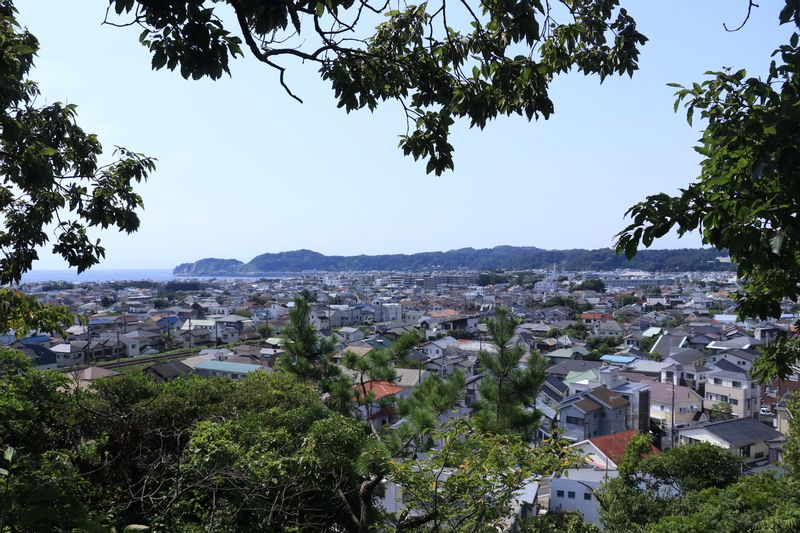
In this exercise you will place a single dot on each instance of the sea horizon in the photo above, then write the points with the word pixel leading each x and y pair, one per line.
pixel 98 275
pixel 127 274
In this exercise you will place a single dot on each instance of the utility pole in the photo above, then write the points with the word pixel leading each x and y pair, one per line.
pixel 672 424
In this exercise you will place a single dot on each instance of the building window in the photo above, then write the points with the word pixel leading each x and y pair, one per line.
pixel 737 384
pixel 587 495
pixel 717 381
pixel 571 495
pixel 733 401
pixel 574 420
pixel 560 493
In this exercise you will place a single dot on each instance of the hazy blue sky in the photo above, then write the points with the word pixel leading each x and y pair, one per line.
pixel 243 169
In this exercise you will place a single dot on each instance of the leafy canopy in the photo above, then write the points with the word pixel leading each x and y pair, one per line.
pixel 439 61
pixel 510 384
pixel 52 182
pixel 746 197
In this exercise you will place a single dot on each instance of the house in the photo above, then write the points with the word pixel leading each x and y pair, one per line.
pixel 552 392
pixel 647 367
pixel 562 368
pixel 745 437
pixel 668 344
pixel 637 393
pixel 198 323
pixel 632 340
pixel 579 381
pixel 408 378
pixel 445 365
pixel 728 383
pixel 590 318
pixel 138 340
pixel 82 379
pixel 573 490
pixel 378 409
pixel 225 369
pixel 742 358
pixel 597 411
pixel 574 352
pixel 350 334
pixel 468 323
pixel 437 347
pixel 606 452
pixel 194 338
pixel 167 371
pixel 44 358
pixel 622 361
pixel 78 332
pixel 688 405
pixel 742 342
pixel 610 328
pixel 686 367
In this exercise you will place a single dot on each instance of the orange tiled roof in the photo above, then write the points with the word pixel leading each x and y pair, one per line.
pixel 379 388
pixel 614 445
pixel 443 313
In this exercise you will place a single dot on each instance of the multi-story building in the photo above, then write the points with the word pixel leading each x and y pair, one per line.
pixel 594 412
pixel 728 383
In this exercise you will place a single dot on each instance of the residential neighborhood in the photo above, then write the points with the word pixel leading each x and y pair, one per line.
pixel 667 359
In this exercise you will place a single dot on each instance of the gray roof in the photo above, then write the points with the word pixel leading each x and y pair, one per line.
pixel 736 342
pixel 741 431
pixel 724 366
pixel 747 355
pixel 556 384
pixel 563 368
pixel 686 357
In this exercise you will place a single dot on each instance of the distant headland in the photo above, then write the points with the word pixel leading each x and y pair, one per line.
pixel 499 257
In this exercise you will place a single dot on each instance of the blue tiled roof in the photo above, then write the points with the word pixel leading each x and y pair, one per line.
pixel 225 366
pixel 38 339
pixel 623 359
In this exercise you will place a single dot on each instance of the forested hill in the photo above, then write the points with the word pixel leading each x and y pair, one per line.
pixel 499 257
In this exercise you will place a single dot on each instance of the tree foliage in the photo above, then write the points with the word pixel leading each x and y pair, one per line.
pixel 484 259
pixel 441 62
pixel 23 314
pixel 651 487
pixel 745 200
pixel 791 451
pixel 52 174
pixel 52 178
pixel 509 385
pixel 307 355
pixel 469 481
pixel 721 411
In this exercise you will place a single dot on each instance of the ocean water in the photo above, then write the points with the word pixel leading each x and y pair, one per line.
pixel 100 275
pixel 96 275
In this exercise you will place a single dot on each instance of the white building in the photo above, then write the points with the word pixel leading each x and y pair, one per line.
pixel 573 490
